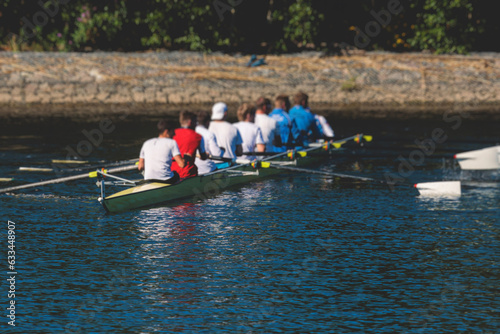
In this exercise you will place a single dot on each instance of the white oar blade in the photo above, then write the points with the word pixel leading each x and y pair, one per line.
pixel 443 188
pixel 35 169
pixel 71 162
pixel 487 158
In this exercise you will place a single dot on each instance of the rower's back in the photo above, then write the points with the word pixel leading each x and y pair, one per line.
pixel 228 137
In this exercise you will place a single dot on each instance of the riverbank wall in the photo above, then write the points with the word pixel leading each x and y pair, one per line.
pixel 358 85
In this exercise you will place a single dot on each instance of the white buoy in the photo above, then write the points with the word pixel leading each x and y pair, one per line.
pixel 442 188
pixel 486 158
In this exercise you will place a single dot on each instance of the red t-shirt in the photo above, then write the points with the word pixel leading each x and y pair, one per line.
pixel 188 141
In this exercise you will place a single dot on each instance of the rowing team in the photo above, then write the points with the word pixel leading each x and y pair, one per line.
pixel 186 151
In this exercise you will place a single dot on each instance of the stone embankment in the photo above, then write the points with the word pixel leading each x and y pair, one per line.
pixel 359 85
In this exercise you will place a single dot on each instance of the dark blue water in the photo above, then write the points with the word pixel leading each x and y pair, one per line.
pixel 296 253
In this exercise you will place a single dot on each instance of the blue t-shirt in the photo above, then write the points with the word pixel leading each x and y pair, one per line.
pixel 283 126
pixel 303 122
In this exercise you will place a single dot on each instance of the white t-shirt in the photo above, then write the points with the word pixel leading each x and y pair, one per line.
pixel 210 142
pixel 251 136
pixel 268 127
pixel 227 137
pixel 158 154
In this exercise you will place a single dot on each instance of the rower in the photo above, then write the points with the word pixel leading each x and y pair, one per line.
pixel 227 135
pixel 157 154
pixel 267 124
pixel 250 133
pixel 283 121
pixel 189 142
pixel 211 148
pixel 303 121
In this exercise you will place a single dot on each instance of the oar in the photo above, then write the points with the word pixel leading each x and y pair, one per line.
pixel 260 153
pixel 312 171
pixel 83 168
pixel 222 159
pixel 71 162
pixel 357 138
pixel 291 154
pixel 35 169
pixel 57 163
pixel 487 158
pixel 302 153
pixel 367 138
pixel 65 179
pixel 443 188
pixel 248 162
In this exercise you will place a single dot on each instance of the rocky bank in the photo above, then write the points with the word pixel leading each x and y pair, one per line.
pixel 81 85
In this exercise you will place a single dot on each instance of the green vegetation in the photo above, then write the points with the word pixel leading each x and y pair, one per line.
pixel 449 26
pixel 250 26
pixel 350 85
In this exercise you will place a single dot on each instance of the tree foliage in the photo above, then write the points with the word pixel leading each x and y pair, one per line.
pixel 448 26
pixel 250 26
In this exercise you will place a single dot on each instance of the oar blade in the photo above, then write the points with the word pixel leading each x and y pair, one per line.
pixel 338 145
pixel 94 174
pixel 35 169
pixel 368 138
pixel 442 188
pixel 484 159
pixel 71 162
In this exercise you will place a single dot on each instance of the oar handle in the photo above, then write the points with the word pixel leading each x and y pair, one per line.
pixel 260 153
pixel 221 159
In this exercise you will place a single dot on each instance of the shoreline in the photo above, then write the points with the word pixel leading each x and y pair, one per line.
pixel 362 85
pixel 95 112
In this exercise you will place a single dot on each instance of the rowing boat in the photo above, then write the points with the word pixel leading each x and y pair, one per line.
pixel 154 193
pixel 199 187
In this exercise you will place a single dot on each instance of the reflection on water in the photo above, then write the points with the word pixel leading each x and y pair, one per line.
pixel 164 222
pixel 440 203
pixel 451 171
pixel 476 197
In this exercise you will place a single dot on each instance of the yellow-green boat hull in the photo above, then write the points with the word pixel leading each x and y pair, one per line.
pixel 196 187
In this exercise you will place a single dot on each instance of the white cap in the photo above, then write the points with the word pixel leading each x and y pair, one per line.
pixel 218 111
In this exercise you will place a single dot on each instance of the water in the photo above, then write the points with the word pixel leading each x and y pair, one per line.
pixel 296 253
